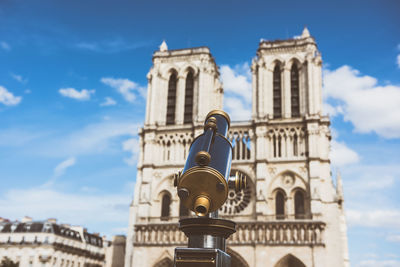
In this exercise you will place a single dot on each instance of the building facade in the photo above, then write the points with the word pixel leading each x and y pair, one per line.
pixel 46 243
pixel 291 214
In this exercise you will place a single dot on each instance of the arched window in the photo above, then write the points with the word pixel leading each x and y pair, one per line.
pixel 294 90
pixel 280 205
pixel 183 211
pixel 295 146
pixel 188 117
pixel 289 261
pixel 277 92
pixel 165 206
pixel 299 210
pixel 171 98
pixel 279 146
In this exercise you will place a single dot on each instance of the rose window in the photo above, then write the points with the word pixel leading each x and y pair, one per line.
pixel 237 201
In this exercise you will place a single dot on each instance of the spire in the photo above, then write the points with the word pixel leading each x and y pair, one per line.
pixel 163 46
pixel 305 33
pixel 339 185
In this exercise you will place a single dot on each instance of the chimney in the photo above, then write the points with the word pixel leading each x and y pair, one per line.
pixel 52 220
pixel 26 219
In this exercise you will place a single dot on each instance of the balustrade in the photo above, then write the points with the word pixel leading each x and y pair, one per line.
pixel 241 139
pixel 303 233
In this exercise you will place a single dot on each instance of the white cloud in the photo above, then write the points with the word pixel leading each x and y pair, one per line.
pixel 82 95
pixel 60 169
pixel 236 109
pixel 393 238
pixel 109 46
pixel 379 263
pixel 18 78
pixel 108 101
pixel 131 145
pixel 125 87
pixel 14 137
pixel 398 61
pixel 332 110
pixel 379 218
pixel 367 105
pixel 5 46
pixel 94 138
pixel 73 208
pixel 7 98
pixel 341 155
pixel 237 80
pixel 238 92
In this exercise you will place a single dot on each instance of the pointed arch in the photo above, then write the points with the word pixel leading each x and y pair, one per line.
pixel 171 99
pixel 299 204
pixel 165 262
pixel 289 261
pixel 189 93
pixel 236 259
pixel 280 201
pixel 295 90
pixel 277 91
pixel 165 205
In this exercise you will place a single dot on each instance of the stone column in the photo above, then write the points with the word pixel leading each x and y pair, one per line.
pixel 255 108
pixel 149 96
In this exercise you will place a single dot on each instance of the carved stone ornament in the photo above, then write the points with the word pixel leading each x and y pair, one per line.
pixel 157 174
pixel 272 170
pixel 287 180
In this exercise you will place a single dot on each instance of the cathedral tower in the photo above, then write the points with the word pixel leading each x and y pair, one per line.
pixel 290 215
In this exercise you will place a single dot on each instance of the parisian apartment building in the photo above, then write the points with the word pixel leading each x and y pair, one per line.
pixel 31 243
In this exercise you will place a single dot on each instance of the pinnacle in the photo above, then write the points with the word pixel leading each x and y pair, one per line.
pixel 305 33
pixel 163 46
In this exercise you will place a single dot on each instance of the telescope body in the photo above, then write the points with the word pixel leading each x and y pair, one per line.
pixel 203 184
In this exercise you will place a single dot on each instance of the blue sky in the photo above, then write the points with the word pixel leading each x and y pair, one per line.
pixel 72 94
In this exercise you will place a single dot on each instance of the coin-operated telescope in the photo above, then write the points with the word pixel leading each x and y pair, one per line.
pixel 203 188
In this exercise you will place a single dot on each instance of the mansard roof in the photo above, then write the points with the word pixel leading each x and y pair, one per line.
pixel 48 227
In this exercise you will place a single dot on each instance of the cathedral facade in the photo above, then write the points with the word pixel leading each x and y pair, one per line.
pixel 290 214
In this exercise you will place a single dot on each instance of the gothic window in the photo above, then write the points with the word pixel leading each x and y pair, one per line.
pixel 279 146
pixel 295 146
pixel 183 211
pixel 294 90
pixel 299 210
pixel 277 92
pixel 168 151
pixel 189 98
pixel 171 98
pixel 165 206
pixel 280 205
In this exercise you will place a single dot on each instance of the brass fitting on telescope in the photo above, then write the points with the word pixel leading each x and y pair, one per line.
pixel 237 182
pixel 201 205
